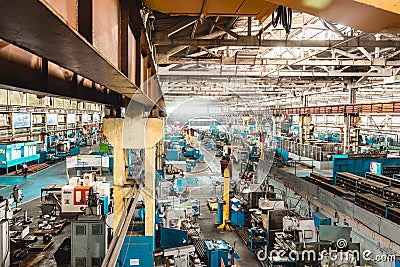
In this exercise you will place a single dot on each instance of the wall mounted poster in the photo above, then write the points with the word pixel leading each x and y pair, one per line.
pixel 22 120
pixel 71 118
pixel 51 119
pixel 85 118
pixel 96 117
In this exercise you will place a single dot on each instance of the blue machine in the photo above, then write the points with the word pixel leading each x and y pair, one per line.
pixel 176 138
pixel 257 240
pixel 217 250
pixel 137 251
pixel 209 144
pixel 358 165
pixel 236 214
pixel 74 151
pixel 159 219
pixel 237 218
pixel 189 167
pixel 193 153
pixel 104 205
pixel 196 207
pixel 397 262
pixel 190 163
pixel 140 213
pixel 172 238
pixel 173 154
pixel 13 154
pixel 214 131
pixel 320 219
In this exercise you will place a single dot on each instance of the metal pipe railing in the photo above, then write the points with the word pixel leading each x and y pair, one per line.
pixel 120 232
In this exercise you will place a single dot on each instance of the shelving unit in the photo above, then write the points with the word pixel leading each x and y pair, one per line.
pixel 371 203
pixel 383 179
pixel 390 170
pixel 348 181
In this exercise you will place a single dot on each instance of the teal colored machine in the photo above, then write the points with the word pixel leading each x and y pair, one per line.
pixel 320 219
pixel 360 165
pixel 172 238
pixel 14 154
pixel 217 250
pixel 137 251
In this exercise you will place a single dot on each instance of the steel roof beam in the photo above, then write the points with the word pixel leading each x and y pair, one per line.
pixel 161 59
pixel 180 26
pixel 282 73
pixel 161 38
pixel 22 22
pixel 223 28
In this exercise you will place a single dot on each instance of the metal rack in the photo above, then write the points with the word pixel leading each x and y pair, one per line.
pixel 372 193
pixel 383 179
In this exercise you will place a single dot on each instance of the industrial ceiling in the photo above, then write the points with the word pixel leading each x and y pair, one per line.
pixel 333 47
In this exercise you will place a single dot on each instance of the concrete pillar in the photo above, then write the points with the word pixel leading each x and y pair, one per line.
pixel 307 123
pixel 113 129
pixel 154 134
pixel 301 124
pixel 346 134
pixel 245 120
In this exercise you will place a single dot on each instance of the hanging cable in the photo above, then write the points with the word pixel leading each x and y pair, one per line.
pixel 283 15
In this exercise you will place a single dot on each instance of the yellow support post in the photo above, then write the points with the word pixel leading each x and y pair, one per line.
pixel 262 147
pixel 227 180
pixel 113 131
pixel 154 134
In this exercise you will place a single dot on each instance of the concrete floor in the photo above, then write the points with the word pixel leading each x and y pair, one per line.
pixel 44 258
pixel 199 181
pixel 31 186
pixel 209 230
pixel 207 219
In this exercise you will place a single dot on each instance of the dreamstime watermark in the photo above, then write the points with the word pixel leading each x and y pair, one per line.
pixel 340 254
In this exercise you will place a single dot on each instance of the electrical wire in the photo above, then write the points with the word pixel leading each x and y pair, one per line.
pixel 284 16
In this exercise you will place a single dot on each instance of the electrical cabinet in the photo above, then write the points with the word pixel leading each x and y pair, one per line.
pixel 88 241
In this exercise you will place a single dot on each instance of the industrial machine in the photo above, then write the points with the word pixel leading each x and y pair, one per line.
pixel 181 257
pixel 236 213
pixel 12 154
pixel 217 250
pixel 178 218
pixel 271 204
pixel 302 229
pixel 88 241
pixel 81 193
pixel 258 239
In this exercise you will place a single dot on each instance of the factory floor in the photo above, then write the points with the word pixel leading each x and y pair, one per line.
pixel 31 189
pixel 203 189
pixel 41 258
pixel 32 184
pixel 207 221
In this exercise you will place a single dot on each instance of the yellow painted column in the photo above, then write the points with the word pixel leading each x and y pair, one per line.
pixel 262 150
pixel 154 133
pixel 225 198
pixel 113 129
